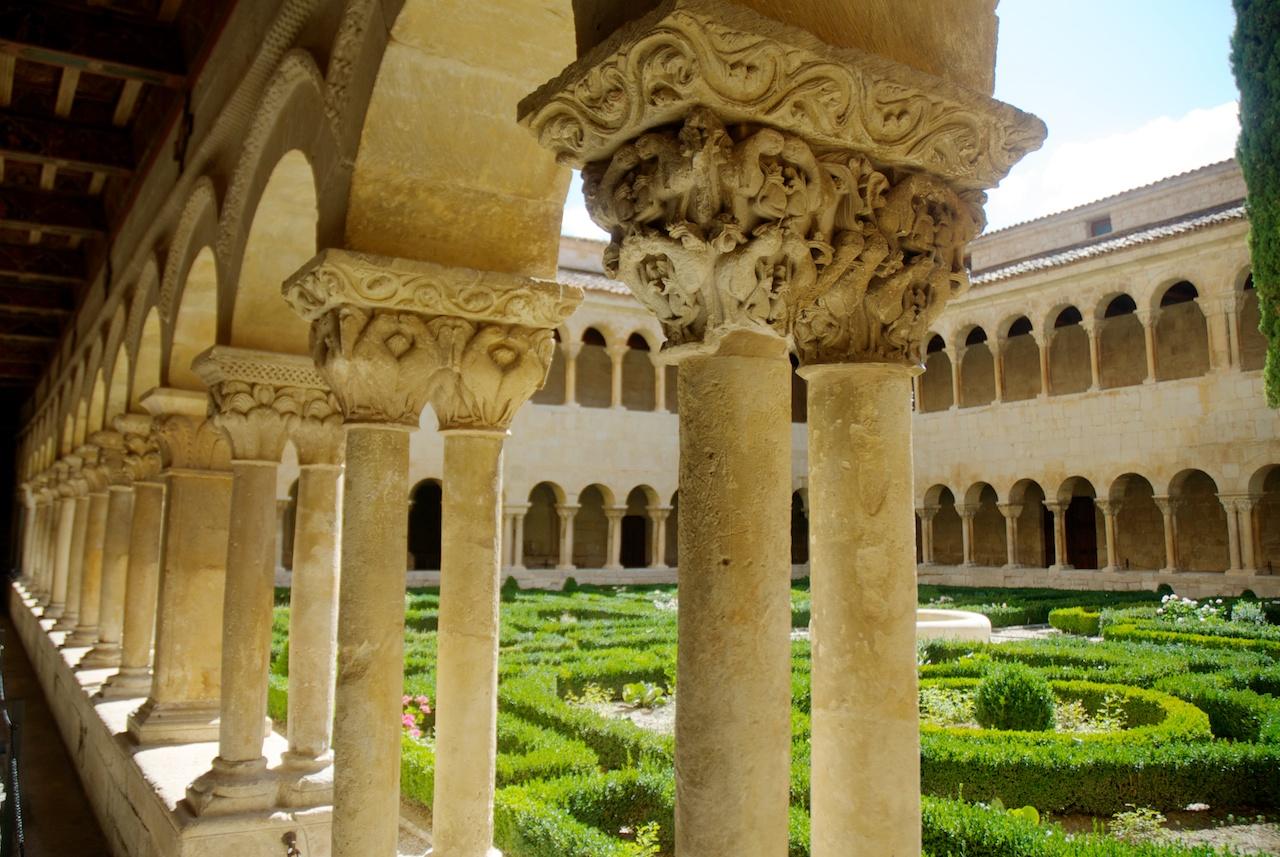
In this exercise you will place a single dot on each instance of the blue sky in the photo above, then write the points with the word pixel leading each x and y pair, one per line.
pixel 1132 91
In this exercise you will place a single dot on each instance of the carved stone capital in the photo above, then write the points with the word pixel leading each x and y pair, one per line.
pixel 186 437
pixel 749 68
pixel 390 334
pixel 110 468
pixel 258 397
pixel 1010 510
pixel 142 455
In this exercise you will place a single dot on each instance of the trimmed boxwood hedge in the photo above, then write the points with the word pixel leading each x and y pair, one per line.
pixel 1076 620
pixel 1162 634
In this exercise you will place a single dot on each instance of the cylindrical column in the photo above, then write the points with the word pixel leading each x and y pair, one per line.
pixel 569 350
pixel 997 356
pixel 865 789
pixel 75 569
pixel 1233 535
pixel 955 377
pixel 613 517
pixel 62 558
pixel 1091 333
pixel 517 541
pixel 1011 511
pixel 733 723
pixel 658 536
pixel 926 533
pixel 1149 338
pixel 967 513
pixel 1059 511
pixel 141 584
pixel 1109 508
pixel 313 616
pixel 1167 508
pixel 1248 535
pixel 467 663
pixel 370 679
pixel 617 355
pixel 95 536
pixel 1043 348
pixel 566 512
pixel 659 383
pixel 39 540
pixel 115 567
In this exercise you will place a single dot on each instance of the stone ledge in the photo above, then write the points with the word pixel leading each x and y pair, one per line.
pixel 1194 584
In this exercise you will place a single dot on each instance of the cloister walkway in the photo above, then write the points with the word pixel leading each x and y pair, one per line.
pixel 56 814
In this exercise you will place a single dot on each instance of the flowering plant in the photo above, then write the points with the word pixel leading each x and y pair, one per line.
pixel 414 717
pixel 1175 609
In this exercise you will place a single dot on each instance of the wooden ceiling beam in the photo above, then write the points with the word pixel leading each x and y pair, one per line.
pixel 119 46
pixel 28 337
pixel 35 299
pixel 51 213
pixel 28 310
pixel 66 145
pixel 34 263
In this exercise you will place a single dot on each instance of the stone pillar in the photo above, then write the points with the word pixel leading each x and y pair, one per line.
pixel 1249 548
pixel 382 351
pixel 658 536
pixel 1059 511
pixel 1011 511
pixel 62 556
pixel 733 258
pixel 967 513
pixel 48 543
pixel 517 535
pixel 1216 312
pixel 617 354
pixel 39 585
pixel 1168 508
pixel 659 383
pixel 256 397
pixel 1234 564
pixel 927 514
pixel 313 611
pixel 1231 304
pixel 143 574
pixel 25 565
pixel 570 351
pixel 115 565
pixel 1043 343
pixel 1148 319
pixel 957 379
pixel 997 360
pixel 614 515
pixel 1109 509
pixel 1091 332
pixel 108 471
pixel 187 679
pixel 566 513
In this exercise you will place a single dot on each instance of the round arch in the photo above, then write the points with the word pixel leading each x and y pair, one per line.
pixel 541 544
pixel 1083 524
pixel 1200 522
pixel 1181 332
pixel 1139 527
pixel 1122 344
pixel 195 321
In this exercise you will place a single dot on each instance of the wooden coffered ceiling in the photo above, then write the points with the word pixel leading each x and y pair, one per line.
pixel 89 90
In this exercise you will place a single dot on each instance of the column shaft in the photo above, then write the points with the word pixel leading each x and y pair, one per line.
pixel 613 518
pixel 141 584
pixel 733 668
pixel 115 567
pixel 570 354
pixel 566 514
pixel 864 707
pixel 659 384
pixel 370 677
pixel 62 557
pixel 75 566
pixel 1149 339
pixel 1233 536
pixel 467 663
pixel 517 541
pixel 1043 349
pixel 95 536
pixel 1248 537
pixel 1092 333
pixel 1109 528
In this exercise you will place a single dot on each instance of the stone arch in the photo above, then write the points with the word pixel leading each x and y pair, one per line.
pixel 196 229
pixel 1122 345
pixel 591 527
pixel 195 321
pixel 638 375
pixel 1069 367
pixel 280 239
pixel 977 370
pixel 542 526
pixel 1253 343
pixel 1083 524
pixel 948 545
pixel 425 520
pixel 1020 360
pixel 479 193
pixel 1181 332
pixel 1200 522
pixel 594 370
pixel 637 528
pixel 987 534
pixel 1264 490
pixel 118 385
pixel 97 402
pixel 1035 524
pixel 1139 523
pixel 936 392
pixel 146 368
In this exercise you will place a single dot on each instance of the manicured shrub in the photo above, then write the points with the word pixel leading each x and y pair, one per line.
pixel 1076 620
pixel 1014 697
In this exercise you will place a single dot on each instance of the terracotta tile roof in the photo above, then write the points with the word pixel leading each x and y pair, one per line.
pixel 1112 244
pixel 591 282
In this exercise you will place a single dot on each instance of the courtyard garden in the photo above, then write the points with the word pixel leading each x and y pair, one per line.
pixel 1146 711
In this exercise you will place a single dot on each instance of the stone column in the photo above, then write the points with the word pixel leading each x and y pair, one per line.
pixel 143 575
pixel 927 514
pixel 1216 314
pixel 1249 548
pixel 108 471
pixel 659 383
pixel 658 536
pixel 384 344
pixel 997 360
pixel 967 513
pixel 617 354
pixel 1059 511
pixel 570 351
pixel 517 535
pixel 313 610
pixel 566 513
pixel 49 542
pixel 853 254
pixel 256 397
pixel 957 379
pixel 187 678
pixel 39 584
pixel 115 559
pixel 1231 304
pixel 1043 343
pixel 614 515
pixel 66 505
pixel 1109 509
pixel 28 530
pixel 1233 534
pixel 1091 333
pixel 1148 320
pixel 1011 511
pixel 1168 508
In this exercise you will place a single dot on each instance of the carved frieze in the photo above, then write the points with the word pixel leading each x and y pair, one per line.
pixel 142 454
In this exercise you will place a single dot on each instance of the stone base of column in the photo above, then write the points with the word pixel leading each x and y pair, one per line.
pixel 1010 565
pixel 566 568
pixel 613 567
pixel 305 782
pixel 1056 567
pixel 174 723
pixel 59 612
pixel 233 787
pixel 101 656
pixel 126 683
pixel 657 566
pixel 82 636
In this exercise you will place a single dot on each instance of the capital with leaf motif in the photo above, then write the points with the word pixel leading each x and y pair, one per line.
pixel 110 467
pixel 390 334
pixel 185 436
pixel 142 455
pixel 753 178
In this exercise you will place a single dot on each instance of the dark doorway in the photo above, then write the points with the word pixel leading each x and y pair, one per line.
pixel 635 538
pixel 1046 529
pixel 1082 533
pixel 424 525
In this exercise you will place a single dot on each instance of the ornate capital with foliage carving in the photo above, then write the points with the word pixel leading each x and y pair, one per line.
pixel 142 455
pixel 258 397
pixel 753 178
pixel 186 437
pixel 391 334
pixel 110 468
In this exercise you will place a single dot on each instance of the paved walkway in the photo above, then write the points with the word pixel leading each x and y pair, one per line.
pixel 1022 632
pixel 56 815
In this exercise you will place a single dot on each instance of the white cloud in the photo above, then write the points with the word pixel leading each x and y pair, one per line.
pixel 1068 173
